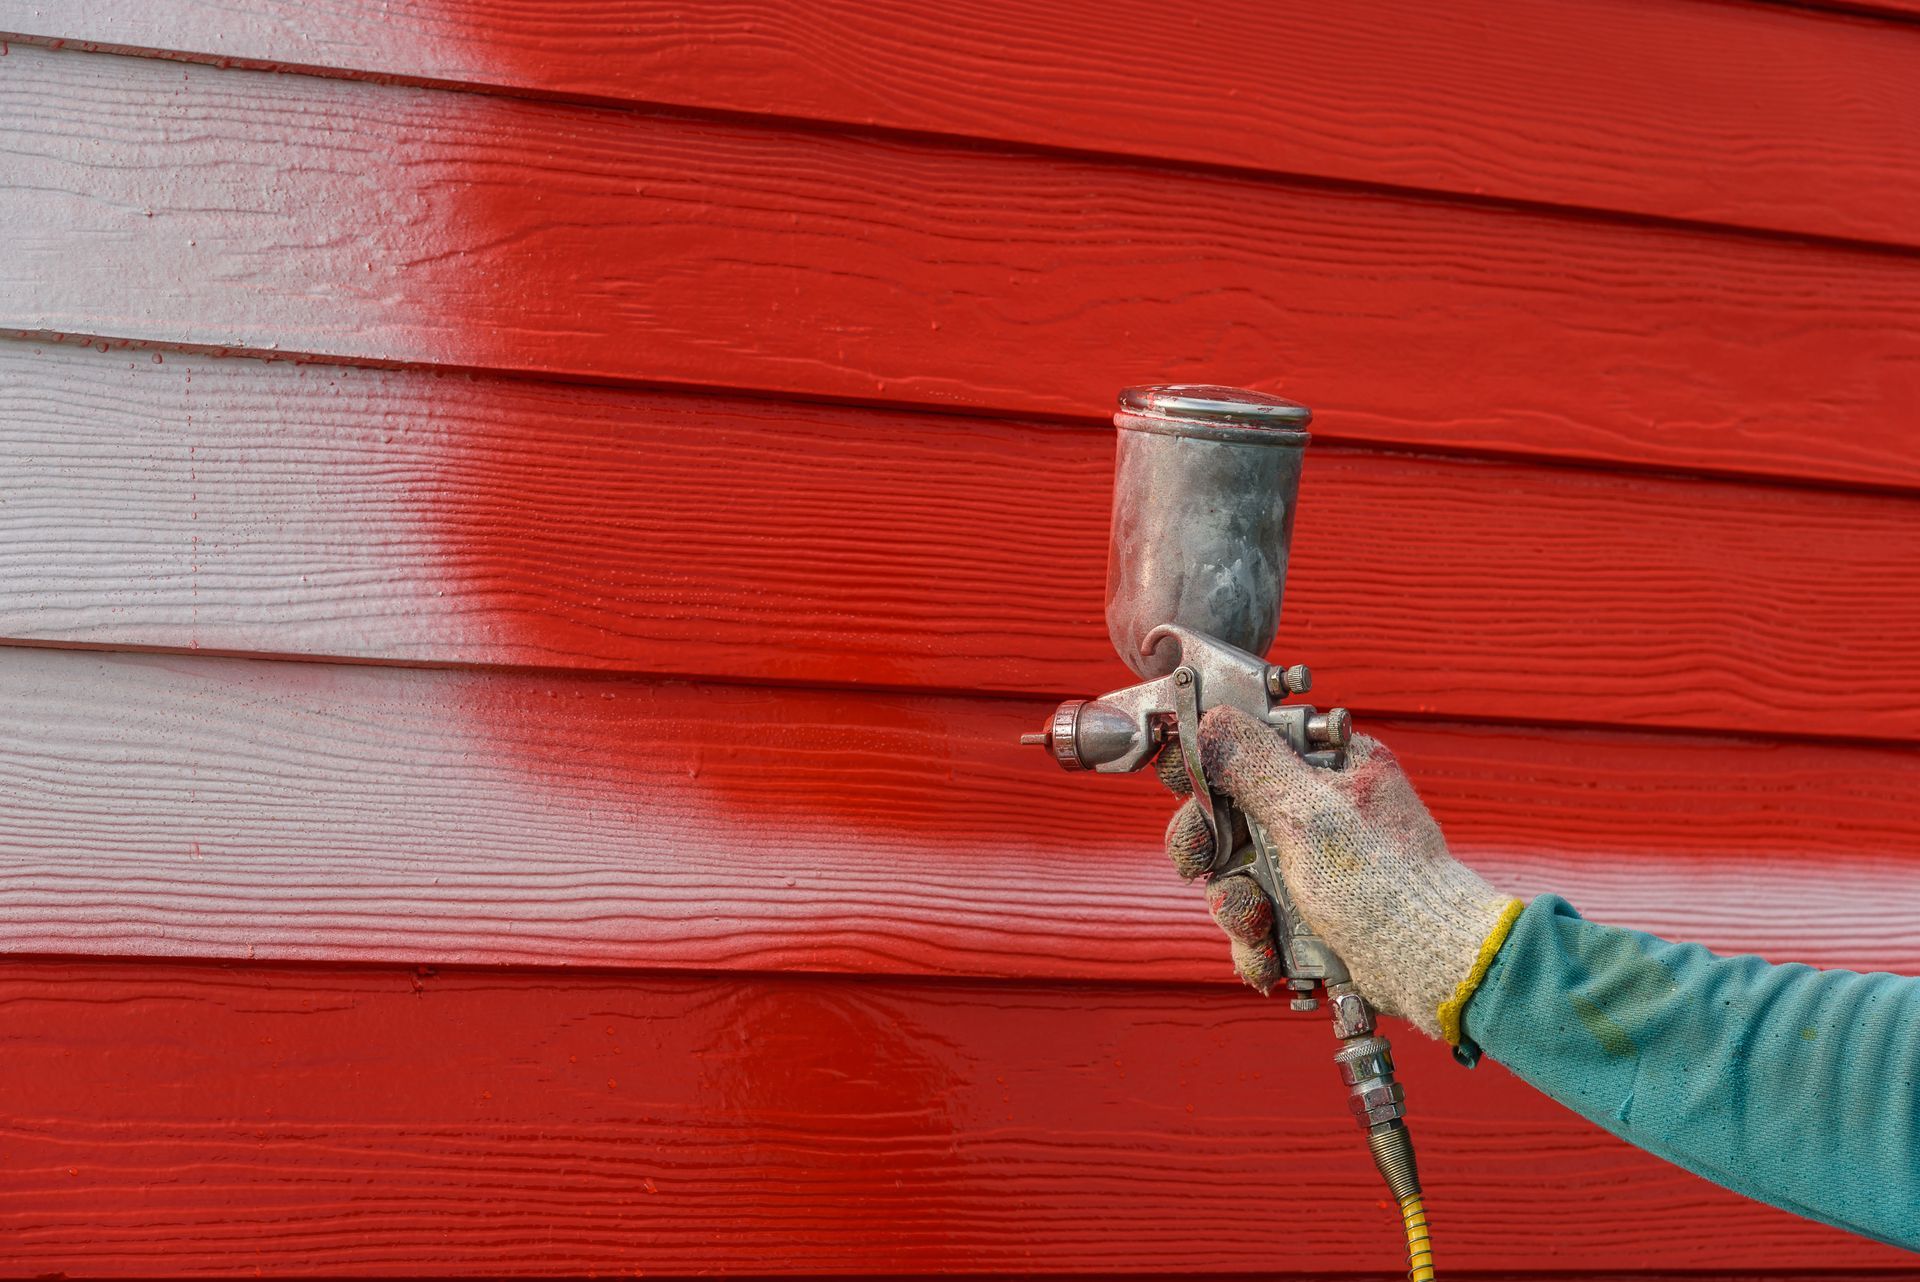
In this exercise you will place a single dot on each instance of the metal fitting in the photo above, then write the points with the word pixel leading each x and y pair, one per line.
pixel 1378 1104
pixel 1352 1017
pixel 1058 737
pixel 1366 1066
pixel 1393 1154
pixel 1365 1069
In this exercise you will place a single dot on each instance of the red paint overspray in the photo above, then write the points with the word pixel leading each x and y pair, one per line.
pixel 842 1070
pixel 637 501
pixel 871 823
pixel 633 518
pixel 633 499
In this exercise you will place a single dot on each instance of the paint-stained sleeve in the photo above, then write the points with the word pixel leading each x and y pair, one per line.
pixel 1795 1086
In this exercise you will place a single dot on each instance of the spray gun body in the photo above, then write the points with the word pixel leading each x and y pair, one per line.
pixel 1204 491
pixel 1124 730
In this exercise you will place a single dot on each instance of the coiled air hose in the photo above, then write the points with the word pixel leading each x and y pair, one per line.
pixel 1413 1211
pixel 1393 1154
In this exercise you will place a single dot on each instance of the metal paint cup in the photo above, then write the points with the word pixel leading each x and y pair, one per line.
pixel 1204 489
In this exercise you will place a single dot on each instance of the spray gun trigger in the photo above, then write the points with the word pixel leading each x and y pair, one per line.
pixel 1217 810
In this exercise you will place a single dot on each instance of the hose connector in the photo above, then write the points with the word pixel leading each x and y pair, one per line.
pixel 1366 1066
pixel 1393 1153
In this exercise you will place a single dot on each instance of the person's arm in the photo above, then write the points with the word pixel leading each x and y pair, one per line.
pixel 1794 1086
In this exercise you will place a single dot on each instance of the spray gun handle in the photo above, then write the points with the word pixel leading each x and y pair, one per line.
pixel 1312 967
pixel 1309 961
pixel 1365 1060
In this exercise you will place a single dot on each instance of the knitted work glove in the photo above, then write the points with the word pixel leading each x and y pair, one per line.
pixel 1365 863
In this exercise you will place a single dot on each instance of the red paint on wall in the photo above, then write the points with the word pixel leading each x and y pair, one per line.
pixel 387 1122
pixel 587 498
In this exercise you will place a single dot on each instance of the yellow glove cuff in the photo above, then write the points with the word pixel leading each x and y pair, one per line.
pixel 1455 1006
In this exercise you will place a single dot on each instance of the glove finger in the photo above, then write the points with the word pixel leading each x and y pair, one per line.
pixel 1365 748
pixel 1259 965
pixel 1373 781
pixel 1172 771
pixel 1189 841
pixel 1241 909
pixel 1269 779
pixel 1244 912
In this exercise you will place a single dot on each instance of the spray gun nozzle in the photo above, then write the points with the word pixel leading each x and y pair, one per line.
pixel 1092 734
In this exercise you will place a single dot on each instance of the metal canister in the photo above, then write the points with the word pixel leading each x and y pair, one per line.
pixel 1203 497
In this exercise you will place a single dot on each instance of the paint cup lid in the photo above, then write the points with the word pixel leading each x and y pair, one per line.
pixel 1232 413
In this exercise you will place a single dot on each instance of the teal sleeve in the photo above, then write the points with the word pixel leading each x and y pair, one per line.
pixel 1795 1086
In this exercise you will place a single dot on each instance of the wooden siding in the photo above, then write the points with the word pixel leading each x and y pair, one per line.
pixel 592 493
pixel 298 810
pixel 396 224
pixel 1797 121
pixel 402 516
pixel 389 1121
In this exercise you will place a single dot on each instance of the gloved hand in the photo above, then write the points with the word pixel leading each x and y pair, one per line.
pixel 1365 863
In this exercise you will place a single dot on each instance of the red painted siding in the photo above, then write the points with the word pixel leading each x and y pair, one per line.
pixel 494 521
pixel 381 1122
pixel 612 245
pixel 1799 121
pixel 668 440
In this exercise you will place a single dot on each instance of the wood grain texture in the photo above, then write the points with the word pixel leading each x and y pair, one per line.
pixel 198 1120
pixel 1799 121
pixel 235 505
pixel 188 806
pixel 361 222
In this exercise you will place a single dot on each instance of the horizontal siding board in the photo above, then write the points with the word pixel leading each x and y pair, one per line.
pixel 200 1120
pixel 192 806
pixel 1799 121
pixel 361 222
pixel 247 506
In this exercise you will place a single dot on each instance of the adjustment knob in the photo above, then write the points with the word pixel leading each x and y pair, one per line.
pixel 1061 735
pixel 1282 682
pixel 1086 734
pixel 1330 729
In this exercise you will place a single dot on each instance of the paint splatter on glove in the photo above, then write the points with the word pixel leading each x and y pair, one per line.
pixel 1366 865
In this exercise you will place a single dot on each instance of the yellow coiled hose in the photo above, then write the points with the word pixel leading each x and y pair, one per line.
pixel 1413 1213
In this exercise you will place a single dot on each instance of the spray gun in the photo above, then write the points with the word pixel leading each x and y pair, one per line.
pixel 1203 498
